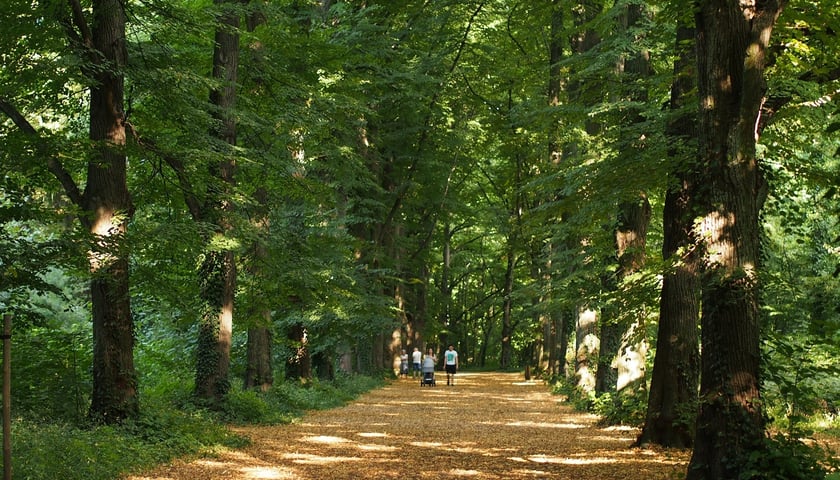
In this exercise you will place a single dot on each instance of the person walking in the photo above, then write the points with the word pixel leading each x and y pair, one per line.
pixel 451 364
pixel 403 364
pixel 416 358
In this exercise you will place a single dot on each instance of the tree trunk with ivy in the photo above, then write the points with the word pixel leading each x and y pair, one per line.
pixel 218 270
pixel 732 46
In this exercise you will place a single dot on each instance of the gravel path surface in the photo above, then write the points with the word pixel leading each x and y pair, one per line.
pixel 488 426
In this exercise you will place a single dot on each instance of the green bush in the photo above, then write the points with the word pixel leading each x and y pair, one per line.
pixel 621 409
pixel 785 458
pixel 172 423
pixel 318 395
pixel 53 450
pixel 581 401
pixel 51 373
pixel 252 407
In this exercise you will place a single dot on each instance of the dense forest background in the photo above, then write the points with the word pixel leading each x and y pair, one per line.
pixel 205 199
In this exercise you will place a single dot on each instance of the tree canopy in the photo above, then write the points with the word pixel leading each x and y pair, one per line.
pixel 241 194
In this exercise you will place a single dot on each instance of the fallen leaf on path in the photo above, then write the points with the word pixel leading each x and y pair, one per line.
pixel 490 426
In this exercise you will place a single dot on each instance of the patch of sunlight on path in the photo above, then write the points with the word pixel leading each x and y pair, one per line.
pixel 488 426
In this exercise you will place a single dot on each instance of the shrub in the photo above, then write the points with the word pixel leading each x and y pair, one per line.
pixel 47 451
pixel 784 458
pixel 621 409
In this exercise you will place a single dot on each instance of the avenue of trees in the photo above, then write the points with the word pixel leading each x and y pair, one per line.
pixel 635 200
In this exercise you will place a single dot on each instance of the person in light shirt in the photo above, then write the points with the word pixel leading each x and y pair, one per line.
pixel 450 364
pixel 416 358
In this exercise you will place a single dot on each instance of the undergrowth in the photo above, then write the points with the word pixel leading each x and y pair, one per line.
pixel 783 455
pixel 169 427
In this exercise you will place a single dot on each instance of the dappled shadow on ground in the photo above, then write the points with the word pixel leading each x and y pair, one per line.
pixel 488 426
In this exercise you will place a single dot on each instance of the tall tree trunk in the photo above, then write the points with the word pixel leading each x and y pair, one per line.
pixel 259 368
pixel 219 265
pixel 609 335
pixel 623 342
pixel 507 312
pixel 299 363
pixel 416 316
pixel 216 326
pixel 489 321
pixel 105 205
pixel 672 397
pixel 634 216
pixel 552 356
pixel 631 241
pixel 108 209
pixel 587 345
pixel 622 350
pixel 732 43
pixel 259 373
pixel 565 327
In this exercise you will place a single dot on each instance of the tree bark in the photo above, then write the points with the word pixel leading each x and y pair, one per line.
pixel 551 319
pixel 587 342
pixel 299 364
pixel 672 397
pixel 259 369
pixel 732 43
pixel 219 265
pixel 215 327
pixel 107 209
pixel 259 373
pixel 631 241
pixel 622 346
pixel 507 310
pixel 587 345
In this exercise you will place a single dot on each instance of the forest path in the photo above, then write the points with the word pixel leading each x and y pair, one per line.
pixel 488 426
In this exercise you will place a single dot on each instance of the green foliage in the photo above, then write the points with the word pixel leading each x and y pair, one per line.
pixel 800 382
pixel 170 426
pixel 580 400
pixel 296 398
pixel 252 407
pixel 52 373
pixel 621 408
pixel 612 408
pixel 399 154
pixel 46 451
pixel 784 458
pixel 51 354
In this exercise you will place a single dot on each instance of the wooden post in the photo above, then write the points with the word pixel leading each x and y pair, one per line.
pixel 7 397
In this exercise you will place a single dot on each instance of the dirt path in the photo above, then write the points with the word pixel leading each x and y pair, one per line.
pixel 489 426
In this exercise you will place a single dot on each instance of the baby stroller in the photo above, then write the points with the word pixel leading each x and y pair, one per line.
pixel 428 379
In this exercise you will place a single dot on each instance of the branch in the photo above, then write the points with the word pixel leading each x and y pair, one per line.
pixel 403 190
pixel 775 103
pixel 79 20
pixel 190 198
pixel 510 32
pixel 53 164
